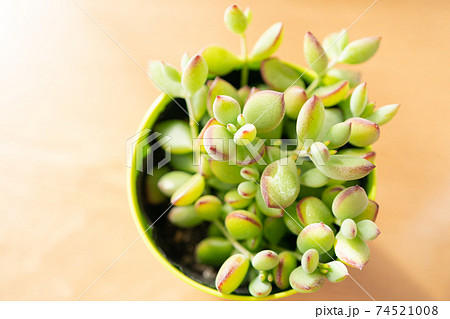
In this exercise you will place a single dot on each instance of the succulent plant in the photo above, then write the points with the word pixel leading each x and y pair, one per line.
pixel 278 211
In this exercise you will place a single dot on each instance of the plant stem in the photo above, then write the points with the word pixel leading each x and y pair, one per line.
pixel 192 124
pixel 244 71
pixel 331 64
pixel 194 132
pixel 233 241
pixel 313 85
pixel 317 80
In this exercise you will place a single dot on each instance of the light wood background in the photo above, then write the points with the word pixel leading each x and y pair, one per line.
pixel 70 98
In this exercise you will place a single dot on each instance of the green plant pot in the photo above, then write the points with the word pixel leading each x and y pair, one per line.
pixel 140 210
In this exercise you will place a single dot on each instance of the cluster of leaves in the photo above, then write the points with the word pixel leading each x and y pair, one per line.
pixel 257 192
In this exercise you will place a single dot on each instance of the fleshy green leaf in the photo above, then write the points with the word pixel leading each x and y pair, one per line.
pixel 245 135
pixel 219 185
pixel 266 210
pixel 243 225
pixel 276 133
pixel 337 75
pixel 153 194
pixel 291 220
pixel 274 153
pixel 311 210
pixel 180 141
pixel 346 167
pixel 274 230
pixel 235 200
pixel 314 54
pixel 219 144
pixel 288 262
pixel 336 271
pixel 208 207
pixel 265 110
pixel 226 109
pixel 184 216
pixel 306 283
pixel 170 72
pixel 338 135
pixel 232 273
pixel 253 244
pixel 361 152
pixel 213 251
pixel 368 110
pixel 250 153
pixel 384 114
pixel 316 236
pixel 183 162
pixel 188 193
pixel 359 51
pixel 259 288
pixel 349 229
pixel 265 260
pixel 345 107
pixel 226 172
pixel 199 103
pixel 330 193
pixel 248 15
pixel 279 76
pixel 198 142
pixel 268 43
pixel 358 100
pixel 333 115
pixel 352 252
pixel 171 181
pixel 247 189
pixel 164 79
pixel 310 119
pixel 363 132
pixel 310 260
pixel 313 178
pixel 333 94
pixel 370 213
pixel 244 93
pixel 294 98
pixel 195 74
pixel 184 60
pixel 280 183
pixel 367 230
pixel 249 173
pixel 235 19
pixel 220 87
pixel 335 42
pixel 349 203
pixel 220 60
pixel 319 152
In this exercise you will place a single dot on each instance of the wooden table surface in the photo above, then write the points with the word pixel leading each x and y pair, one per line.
pixel 70 98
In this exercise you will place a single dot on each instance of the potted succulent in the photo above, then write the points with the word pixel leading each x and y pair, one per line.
pixel 270 185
